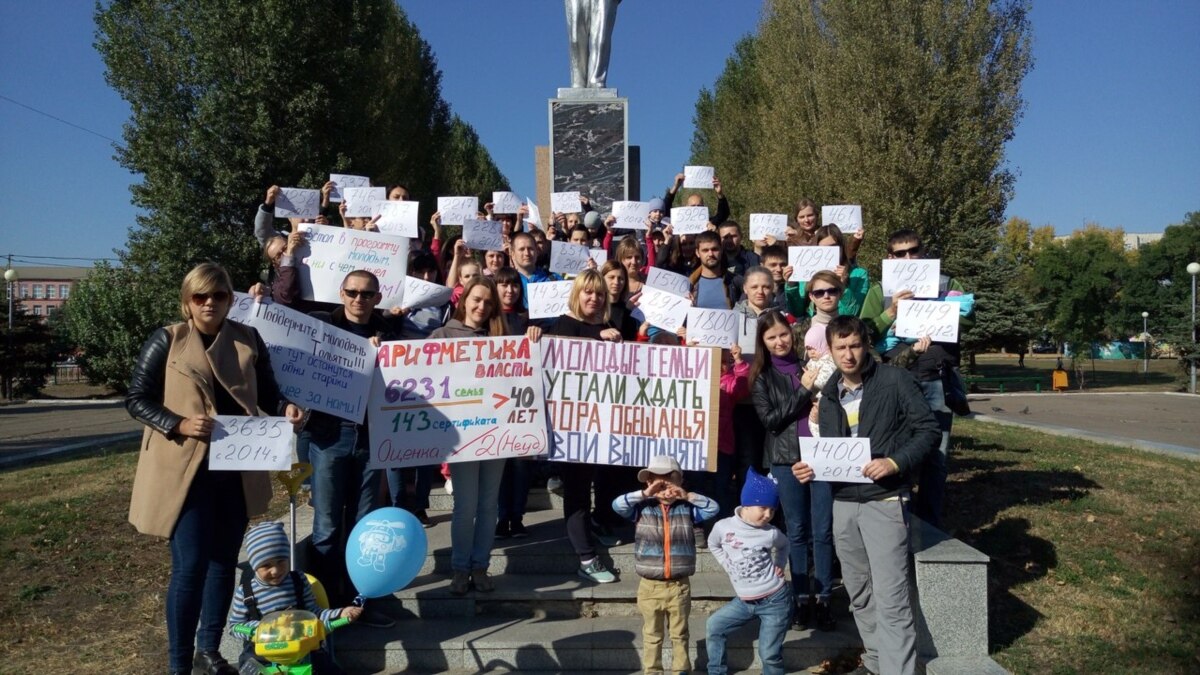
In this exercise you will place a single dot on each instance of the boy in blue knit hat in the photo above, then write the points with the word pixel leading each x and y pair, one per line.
pixel 753 554
pixel 274 587
pixel 664 554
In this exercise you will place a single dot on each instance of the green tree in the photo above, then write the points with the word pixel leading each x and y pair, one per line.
pixel 1080 280
pixel 1004 312
pixel 28 352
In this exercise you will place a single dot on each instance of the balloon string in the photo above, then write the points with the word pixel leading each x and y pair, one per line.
pixel 359 601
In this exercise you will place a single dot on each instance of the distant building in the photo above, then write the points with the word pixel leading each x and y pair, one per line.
pixel 1133 240
pixel 43 290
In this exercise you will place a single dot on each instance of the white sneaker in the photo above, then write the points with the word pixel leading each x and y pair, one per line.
pixel 449 487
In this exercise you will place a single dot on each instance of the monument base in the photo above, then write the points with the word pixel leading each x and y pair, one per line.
pixel 589 149
pixel 586 93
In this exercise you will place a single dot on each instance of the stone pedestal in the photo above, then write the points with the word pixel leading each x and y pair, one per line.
pixel 589 148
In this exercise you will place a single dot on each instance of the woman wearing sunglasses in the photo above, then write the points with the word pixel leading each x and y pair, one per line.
pixel 854 279
pixel 187 373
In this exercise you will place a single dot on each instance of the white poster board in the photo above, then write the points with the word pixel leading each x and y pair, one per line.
pixel 666 280
pixel 330 253
pixel 341 181
pixel 921 276
pixel 713 327
pixel 398 218
pixel 642 400
pixel 535 214
pixel 483 235
pixel 808 260
pixel 242 443
pixel 505 202
pixel 456 400
pixel 317 366
pixel 297 203
pixel 360 201
pixel 764 224
pixel 698 177
pixel 419 293
pixel 689 219
pixel 599 255
pixel 921 318
pixel 748 336
pixel 836 460
pixel 548 299
pixel 457 210
pixel 848 217
pixel 662 309
pixel 565 202
pixel 567 258
pixel 630 215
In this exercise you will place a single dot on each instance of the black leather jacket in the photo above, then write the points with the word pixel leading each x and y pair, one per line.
pixel 780 404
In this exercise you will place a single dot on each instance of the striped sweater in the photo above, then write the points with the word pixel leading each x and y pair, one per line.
pixel 276 598
pixel 664 545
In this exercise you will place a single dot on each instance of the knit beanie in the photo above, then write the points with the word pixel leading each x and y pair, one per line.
pixel 760 490
pixel 266 541
pixel 657 204
pixel 591 219
pixel 816 339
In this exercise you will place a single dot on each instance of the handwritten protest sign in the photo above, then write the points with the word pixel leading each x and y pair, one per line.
pixel 836 460
pixel 599 255
pixel 548 299
pixel 848 217
pixel 297 203
pixel 505 202
pixel 808 260
pixel 698 177
pixel 330 253
pixel 419 293
pixel 713 327
pixel 341 181
pixel 764 224
pixel 671 282
pixel 630 215
pixel 921 276
pixel 361 201
pixel 535 214
pixel 748 336
pixel 920 318
pixel 250 444
pixel 565 202
pixel 483 235
pixel 662 309
pixel 567 258
pixel 622 403
pixel 317 366
pixel 689 219
pixel 456 400
pixel 458 210
pixel 399 218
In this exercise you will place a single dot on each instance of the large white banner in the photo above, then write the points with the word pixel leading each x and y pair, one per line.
pixel 330 253
pixel 317 366
pixel 625 402
pixel 456 400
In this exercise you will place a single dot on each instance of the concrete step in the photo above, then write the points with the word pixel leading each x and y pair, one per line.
pixel 540 499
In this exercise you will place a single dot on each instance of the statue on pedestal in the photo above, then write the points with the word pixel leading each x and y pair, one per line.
pixel 589 32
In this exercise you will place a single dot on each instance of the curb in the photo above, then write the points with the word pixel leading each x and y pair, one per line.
pixel 15 460
pixel 1137 444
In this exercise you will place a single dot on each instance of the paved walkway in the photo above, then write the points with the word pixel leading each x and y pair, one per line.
pixel 1152 421
pixel 29 430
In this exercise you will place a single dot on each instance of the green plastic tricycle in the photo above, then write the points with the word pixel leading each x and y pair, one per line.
pixel 285 639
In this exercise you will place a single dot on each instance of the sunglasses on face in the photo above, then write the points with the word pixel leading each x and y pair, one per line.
pixel 217 296
pixel 354 293
pixel 822 292
pixel 907 252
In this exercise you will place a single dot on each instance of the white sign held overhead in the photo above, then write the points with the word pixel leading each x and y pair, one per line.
pixel 848 217
pixel 297 203
pixel 698 177
pixel 548 299
pixel 341 181
pixel 535 215
pixel 330 253
pixel 419 293
pixel 458 210
pixel 483 235
pixel 927 318
pixel 689 219
pixel 666 280
pixel 763 224
pixel 360 201
pixel 505 202
pixel 399 218
pixel 630 215
pixel 565 202
pixel 921 276
pixel 806 261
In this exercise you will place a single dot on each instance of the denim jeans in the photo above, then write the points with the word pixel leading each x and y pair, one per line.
pixel 473 523
pixel 808 511
pixel 726 490
pixel 344 490
pixel 514 489
pixel 931 483
pixel 775 614
pixel 422 479
pixel 204 555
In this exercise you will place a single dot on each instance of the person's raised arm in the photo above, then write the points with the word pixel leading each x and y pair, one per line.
pixel 722 213
pixel 264 217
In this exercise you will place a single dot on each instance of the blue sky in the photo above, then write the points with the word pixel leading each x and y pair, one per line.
pixel 1111 132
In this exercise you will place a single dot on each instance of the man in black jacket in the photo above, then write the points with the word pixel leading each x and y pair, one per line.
pixel 870 519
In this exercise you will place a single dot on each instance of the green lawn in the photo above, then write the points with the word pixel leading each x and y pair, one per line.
pixel 1127 375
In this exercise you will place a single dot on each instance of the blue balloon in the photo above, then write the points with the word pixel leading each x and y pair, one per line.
pixel 385 552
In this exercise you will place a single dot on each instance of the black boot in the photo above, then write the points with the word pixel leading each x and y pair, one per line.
pixel 824 617
pixel 802 614
pixel 213 664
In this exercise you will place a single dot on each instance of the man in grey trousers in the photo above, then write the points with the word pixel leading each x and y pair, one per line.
pixel 870 519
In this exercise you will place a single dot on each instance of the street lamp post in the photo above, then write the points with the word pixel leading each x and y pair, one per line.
pixel 1145 344
pixel 11 276
pixel 1193 269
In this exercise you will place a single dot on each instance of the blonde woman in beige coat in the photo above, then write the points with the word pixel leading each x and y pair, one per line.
pixel 187 373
